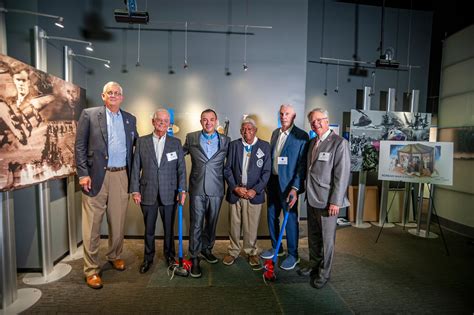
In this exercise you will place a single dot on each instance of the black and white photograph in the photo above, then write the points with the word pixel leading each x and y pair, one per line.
pixel 38 118
pixel 369 127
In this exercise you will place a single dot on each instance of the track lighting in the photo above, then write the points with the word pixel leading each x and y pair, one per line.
pixel 59 22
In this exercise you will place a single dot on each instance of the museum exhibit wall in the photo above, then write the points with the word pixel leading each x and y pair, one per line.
pixel 456 113
pixel 278 73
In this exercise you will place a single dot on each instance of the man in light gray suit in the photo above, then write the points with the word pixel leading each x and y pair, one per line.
pixel 328 172
pixel 158 179
pixel 208 150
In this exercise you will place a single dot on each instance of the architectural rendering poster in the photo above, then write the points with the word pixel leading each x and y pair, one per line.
pixel 369 127
pixel 38 118
pixel 416 162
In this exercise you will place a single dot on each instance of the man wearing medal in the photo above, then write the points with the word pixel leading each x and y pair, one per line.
pixel 208 150
pixel 246 171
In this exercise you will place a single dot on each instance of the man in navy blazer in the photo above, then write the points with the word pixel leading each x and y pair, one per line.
pixel 246 171
pixel 288 147
pixel 104 145
pixel 158 177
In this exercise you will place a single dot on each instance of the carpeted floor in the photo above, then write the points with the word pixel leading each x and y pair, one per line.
pixel 399 274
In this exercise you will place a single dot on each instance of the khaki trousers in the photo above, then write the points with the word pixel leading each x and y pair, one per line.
pixel 113 200
pixel 246 215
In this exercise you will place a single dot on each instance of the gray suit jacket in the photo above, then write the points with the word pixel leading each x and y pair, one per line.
pixel 164 180
pixel 207 175
pixel 92 148
pixel 327 181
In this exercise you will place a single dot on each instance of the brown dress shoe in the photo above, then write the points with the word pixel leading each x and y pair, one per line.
pixel 118 264
pixel 94 281
pixel 254 261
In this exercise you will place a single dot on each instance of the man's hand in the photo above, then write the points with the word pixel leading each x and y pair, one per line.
pixel 241 192
pixel 181 198
pixel 292 198
pixel 250 194
pixel 137 198
pixel 86 183
pixel 333 210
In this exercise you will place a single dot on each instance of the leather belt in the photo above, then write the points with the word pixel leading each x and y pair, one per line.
pixel 116 169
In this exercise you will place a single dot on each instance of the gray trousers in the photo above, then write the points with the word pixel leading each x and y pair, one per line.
pixel 204 212
pixel 321 239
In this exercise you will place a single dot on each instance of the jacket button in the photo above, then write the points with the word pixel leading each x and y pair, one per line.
pixel 106 157
pixel 105 168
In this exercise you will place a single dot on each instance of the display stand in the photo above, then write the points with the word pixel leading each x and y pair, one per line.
pixel 406 207
pixel 50 272
pixel 418 231
pixel 13 301
pixel 359 223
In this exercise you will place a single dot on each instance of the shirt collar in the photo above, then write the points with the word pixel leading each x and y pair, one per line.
pixel 246 144
pixel 110 113
pixel 287 132
pixel 325 135
pixel 158 138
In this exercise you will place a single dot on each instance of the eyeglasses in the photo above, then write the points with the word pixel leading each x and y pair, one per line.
pixel 320 120
pixel 110 93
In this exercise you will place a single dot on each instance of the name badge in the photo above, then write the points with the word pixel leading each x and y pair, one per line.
pixel 282 160
pixel 324 156
pixel 260 153
pixel 171 156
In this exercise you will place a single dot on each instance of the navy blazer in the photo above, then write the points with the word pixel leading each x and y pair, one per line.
pixel 295 148
pixel 258 172
pixel 91 148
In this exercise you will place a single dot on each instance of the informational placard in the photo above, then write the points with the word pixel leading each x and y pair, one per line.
pixel 369 127
pixel 38 118
pixel 416 162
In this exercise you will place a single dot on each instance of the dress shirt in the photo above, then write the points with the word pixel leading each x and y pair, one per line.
pixel 210 144
pixel 159 144
pixel 246 157
pixel 279 146
pixel 117 148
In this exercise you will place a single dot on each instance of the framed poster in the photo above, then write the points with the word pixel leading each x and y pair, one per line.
pixel 369 127
pixel 38 118
pixel 416 162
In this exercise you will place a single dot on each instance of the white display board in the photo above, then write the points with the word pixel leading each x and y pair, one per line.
pixel 416 162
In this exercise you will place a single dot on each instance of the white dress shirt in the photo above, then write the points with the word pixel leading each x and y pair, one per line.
pixel 246 159
pixel 279 146
pixel 159 144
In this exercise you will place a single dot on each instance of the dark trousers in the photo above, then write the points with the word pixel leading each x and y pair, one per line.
pixel 321 239
pixel 276 202
pixel 204 212
pixel 150 214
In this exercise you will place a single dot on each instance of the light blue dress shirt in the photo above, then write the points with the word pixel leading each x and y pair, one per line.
pixel 210 144
pixel 117 146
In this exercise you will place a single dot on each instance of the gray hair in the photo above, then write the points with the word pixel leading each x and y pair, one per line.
pixel 319 110
pixel 249 121
pixel 288 106
pixel 161 110
pixel 111 83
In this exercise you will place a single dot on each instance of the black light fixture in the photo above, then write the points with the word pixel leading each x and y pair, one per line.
pixel 245 66
pixel 185 66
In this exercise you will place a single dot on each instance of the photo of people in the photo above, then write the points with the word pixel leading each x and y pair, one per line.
pixel 38 117
pixel 368 127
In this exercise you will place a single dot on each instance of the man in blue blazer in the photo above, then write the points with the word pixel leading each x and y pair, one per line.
pixel 288 147
pixel 246 171
pixel 105 139
pixel 158 177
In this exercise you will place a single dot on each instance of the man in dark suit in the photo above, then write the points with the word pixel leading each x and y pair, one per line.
pixel 328 172
pixel 246 171
pixel 158 179
pixel 208 150
pixel 104 145
pixel 288 147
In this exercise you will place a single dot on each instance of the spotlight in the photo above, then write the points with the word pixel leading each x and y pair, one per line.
pixel 170 70
pixel 245 67
pixel 107 65
pixel 59 22
pixel 90 48
pixel 336 90
pixel 325 92
pixel 138 64
pixel 185 66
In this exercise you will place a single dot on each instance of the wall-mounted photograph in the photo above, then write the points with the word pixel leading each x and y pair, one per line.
pixel 38 118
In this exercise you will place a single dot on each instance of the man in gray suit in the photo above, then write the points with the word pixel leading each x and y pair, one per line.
pixel 104 144
pixel 208 150
pixel 328 172
pixel 160 160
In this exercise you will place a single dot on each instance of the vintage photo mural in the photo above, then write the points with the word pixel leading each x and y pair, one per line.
pixel 416 162
pixel 369 127
pixel 38 118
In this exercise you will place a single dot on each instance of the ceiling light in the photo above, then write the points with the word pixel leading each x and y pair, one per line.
pixel 90 48
pixel 59 22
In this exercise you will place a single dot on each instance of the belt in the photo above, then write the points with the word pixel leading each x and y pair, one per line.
pixel 116 169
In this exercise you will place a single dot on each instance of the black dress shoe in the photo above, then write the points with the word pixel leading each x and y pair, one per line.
pixel 209 257
pixel 305 271
pixel 145 266
pixel 195 268
pixel 318 283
